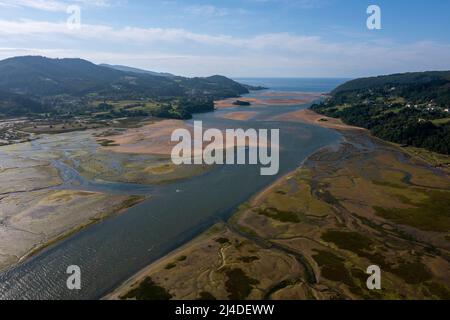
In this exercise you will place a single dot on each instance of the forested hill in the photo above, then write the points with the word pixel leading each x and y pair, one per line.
pixel 419 87
pixel 31 84
pixel 136 70
pixel 410 108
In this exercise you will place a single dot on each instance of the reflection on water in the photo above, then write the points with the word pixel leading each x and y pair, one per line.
pixel 110 252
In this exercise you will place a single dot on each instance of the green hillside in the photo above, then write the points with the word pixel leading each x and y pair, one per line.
pixel 30 85
pixel 409 109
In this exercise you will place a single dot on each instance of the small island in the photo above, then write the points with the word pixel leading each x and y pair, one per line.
pixel 241 103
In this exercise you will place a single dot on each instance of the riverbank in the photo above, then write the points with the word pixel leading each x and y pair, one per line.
pixel 309 116
pixel 152 138
pixel 34 221
pixel 59 184
pixel 281 99
pixel 313 234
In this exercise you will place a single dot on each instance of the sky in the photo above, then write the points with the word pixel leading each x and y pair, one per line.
pixel 235 38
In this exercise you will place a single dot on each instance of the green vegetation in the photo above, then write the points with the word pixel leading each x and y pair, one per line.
pixel 148 290
pixel 172 108
pixel 412 272
pixel 278 287
pixel 241 103
pixel 222 240
pixel 408 109
pixel 427 85
pixel 239 285
pixel 283 216
pixel 327 197
pixel 107 143
pixel 358 244
pixel 441 122
pixel 438 290
pixel 14 104
pixel 206 296
pixel 170 266
pixel 173 265
pixel 80 88
pixel 351 241
pixel 432 214
pixel 248 259
pixel 332 267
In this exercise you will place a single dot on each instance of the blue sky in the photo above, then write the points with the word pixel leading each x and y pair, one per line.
pixel 253 38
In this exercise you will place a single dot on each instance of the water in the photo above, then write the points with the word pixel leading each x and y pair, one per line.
pixel 110 252
pixel 323 85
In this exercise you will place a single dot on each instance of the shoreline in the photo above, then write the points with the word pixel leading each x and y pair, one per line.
pixel 311 117
pixel 40 248
pixel 141 274
pixel 122 288
pixel 276 99
pixel 148 139
pixel 307 116
pixel 135 279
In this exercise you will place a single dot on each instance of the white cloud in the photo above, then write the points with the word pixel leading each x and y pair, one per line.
pixel 208 11
pixel 145 36
pixel 53 5
pixel 185 52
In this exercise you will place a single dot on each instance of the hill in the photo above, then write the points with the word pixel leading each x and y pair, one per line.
pixel 15 104
pixel 410 109
pixel 136 70
pixel 31 84
pixel 410 78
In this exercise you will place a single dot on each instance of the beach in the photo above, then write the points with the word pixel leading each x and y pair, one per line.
pixel 152 138
pixel 309 116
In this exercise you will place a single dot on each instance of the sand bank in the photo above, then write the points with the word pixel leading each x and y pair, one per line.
pixel 149 139
pixel 309 116
pixel 282 99
pixel 240 115
pixel 31 221
pixel 307 214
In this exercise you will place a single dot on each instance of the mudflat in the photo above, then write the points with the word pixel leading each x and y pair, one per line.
pixel 309 116
pixel 241 116
pixel 31 221
pixel 43 199
pixel 153 138
pixel 272 99
pixel 313 234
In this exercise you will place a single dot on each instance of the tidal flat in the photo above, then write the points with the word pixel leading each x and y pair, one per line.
pixel 269 98
pixel 58 184
pixel 181 202
pixel 313 234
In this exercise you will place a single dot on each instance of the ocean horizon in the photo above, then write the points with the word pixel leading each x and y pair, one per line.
pixel 295 84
